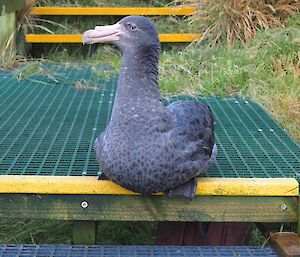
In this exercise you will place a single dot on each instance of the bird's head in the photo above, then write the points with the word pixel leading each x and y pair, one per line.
pixel 129 33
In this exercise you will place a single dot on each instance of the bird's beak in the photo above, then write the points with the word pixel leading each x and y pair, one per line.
pixel 102 34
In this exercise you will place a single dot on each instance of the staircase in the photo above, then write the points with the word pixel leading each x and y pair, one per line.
pixel 115 11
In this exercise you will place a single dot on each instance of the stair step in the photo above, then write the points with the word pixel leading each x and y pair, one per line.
pixel 77 38
pixel 128 251
pixel 180 11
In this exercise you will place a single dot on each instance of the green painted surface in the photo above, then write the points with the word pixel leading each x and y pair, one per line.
pixel 154 208
pixel 49 121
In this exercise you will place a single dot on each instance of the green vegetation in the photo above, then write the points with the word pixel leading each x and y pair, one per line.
pixel 59 232
pixel 266 69
pixel 34 231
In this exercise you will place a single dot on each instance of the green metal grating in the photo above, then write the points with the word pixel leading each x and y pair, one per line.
pixel 48 123
pixel 130 251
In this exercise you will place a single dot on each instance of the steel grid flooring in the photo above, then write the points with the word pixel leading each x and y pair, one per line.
pixel 131 251
pixel 49 120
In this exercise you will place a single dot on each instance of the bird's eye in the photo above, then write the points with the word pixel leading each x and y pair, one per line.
pixel 133 27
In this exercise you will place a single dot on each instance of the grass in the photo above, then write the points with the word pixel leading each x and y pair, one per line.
pixel 239 20
pixel 59 232
pixel 266 69
pixel 7 53
pixel 34 231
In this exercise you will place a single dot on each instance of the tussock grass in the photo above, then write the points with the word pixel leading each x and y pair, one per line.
pixel 239 20
pixel 25 20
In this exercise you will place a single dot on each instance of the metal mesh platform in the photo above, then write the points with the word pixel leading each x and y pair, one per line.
pixel 48 123
pixel 129 251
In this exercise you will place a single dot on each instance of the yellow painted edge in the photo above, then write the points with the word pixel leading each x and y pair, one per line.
pixel 180 38
pixel 77 38
pixel 53 38
pixel 248 186
pixel 91 185
pixel 113 11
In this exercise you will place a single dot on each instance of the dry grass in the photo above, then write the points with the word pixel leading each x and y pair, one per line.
pixel 239 20
pixel 8 53
pixel 25 23
pixel 28 23
pixel 25 20
pixel 86 85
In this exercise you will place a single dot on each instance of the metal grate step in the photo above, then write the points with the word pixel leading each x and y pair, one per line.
pixel 49 120
pixel 129 251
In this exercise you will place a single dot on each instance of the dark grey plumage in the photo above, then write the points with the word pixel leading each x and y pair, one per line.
pixel 146 146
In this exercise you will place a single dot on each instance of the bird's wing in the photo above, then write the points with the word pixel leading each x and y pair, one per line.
pixel 195 127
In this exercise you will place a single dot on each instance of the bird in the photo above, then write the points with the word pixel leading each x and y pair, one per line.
pixel 148 147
